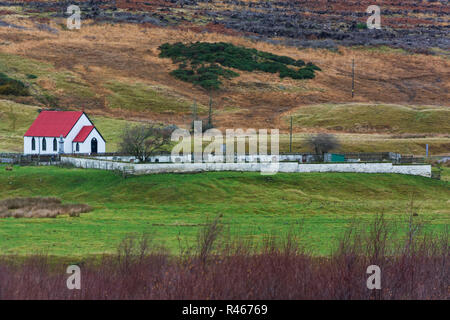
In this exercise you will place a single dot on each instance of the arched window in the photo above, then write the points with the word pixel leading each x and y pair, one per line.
pixel 55 144
pixel 77 147
pixel 33 144
pixel 44 144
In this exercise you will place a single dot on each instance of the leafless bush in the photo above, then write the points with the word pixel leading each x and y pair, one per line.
pixel 39 208
pixel 322 143
pixel 141 270
pixel 207 237
pixel 145 140
pixel 411 135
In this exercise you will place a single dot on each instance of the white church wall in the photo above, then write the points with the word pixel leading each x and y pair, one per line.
pixel 39 145
pixel 85 147
pixel 27 145
pixel 68 145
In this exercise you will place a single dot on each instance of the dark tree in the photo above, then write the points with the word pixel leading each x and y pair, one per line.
pixel 145 140
pixel 322 143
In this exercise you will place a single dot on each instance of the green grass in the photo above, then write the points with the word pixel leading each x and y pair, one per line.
pixel 438 145
pixel 15 119
pixel 62 83
pixel 142 97
pixel 365 118
pixel 382 49
pixel 174 206
pixel 68 82
pixel 445 174
pixel 10 63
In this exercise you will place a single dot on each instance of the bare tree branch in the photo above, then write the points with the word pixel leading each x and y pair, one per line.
pixel 323 143
pixel 145 140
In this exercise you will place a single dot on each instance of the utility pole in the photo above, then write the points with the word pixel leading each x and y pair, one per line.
pixel 210 125
pixel 353 78
pixel 194 110
pixel 290 138
pixel 194 114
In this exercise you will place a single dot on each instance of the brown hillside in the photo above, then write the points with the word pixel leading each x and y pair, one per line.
pixel 127 53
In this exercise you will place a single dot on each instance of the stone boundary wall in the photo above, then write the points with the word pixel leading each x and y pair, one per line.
pixel 150 168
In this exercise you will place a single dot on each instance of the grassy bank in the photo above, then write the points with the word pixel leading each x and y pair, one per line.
pixel 359 142
pixel 367 118
pixel 174 206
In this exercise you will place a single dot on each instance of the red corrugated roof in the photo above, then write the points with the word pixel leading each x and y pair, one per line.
pixel 53 123
pixel 83 134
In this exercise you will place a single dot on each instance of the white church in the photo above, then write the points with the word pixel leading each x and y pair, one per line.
pixel 56 132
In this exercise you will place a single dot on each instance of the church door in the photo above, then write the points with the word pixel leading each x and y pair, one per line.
pixel 94 145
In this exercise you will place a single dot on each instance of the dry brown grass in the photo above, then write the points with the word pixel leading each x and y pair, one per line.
pixel 39 208
pixel 98 53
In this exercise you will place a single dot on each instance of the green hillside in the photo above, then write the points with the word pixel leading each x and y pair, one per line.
pixel 173 207
pixel 374 118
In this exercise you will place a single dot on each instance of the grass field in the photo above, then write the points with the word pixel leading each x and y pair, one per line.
pixel 366 118
pixel 358 142
pixel 173 207
pixel 445 175
pixel 141 97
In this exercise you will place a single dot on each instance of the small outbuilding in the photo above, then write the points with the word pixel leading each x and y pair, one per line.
pixel 56 132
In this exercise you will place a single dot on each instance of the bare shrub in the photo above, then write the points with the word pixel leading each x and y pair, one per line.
pixel 74 214
pixel 141 270
pixel 322 143
pixel 16 203
pixel 145 140
pixel 39 208
pixel 410 136
pixel 74 210
pixel 208 236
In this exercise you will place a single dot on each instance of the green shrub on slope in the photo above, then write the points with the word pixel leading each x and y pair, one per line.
pixel 13 87
pixel 206 61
